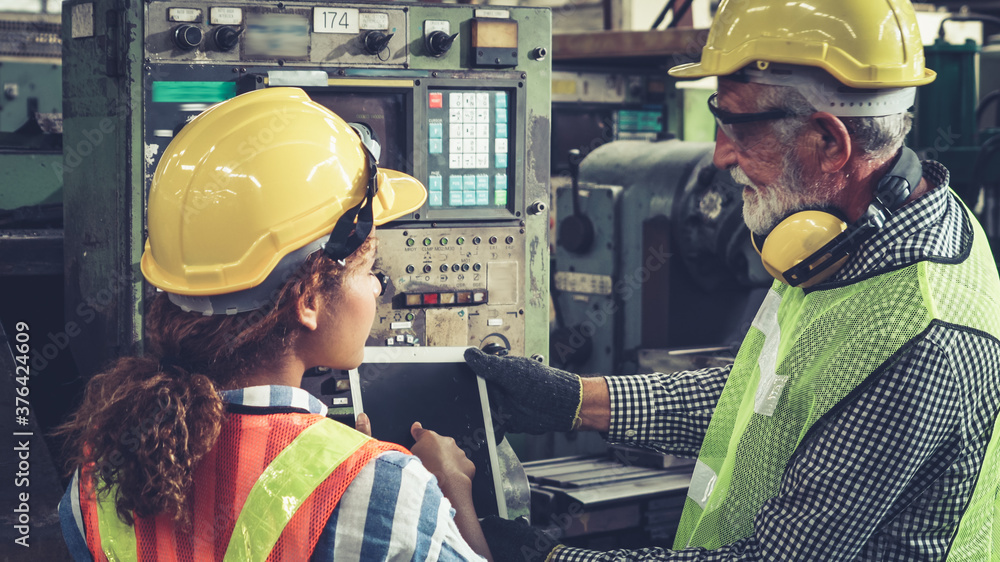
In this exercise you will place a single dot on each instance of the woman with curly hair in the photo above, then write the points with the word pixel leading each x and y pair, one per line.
pixel 206 448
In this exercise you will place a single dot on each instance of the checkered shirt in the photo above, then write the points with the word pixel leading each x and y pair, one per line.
pixel 890 476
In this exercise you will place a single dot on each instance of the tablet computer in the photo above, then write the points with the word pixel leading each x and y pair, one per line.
pixel 397 386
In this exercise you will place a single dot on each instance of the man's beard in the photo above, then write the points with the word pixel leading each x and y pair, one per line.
pixel 763 210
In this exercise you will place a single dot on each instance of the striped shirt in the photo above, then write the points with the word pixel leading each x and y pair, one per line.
pixel 393 509
pixel 887 476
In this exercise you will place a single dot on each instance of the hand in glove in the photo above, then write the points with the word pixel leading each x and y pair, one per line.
pixel 528 397
pixel 514 541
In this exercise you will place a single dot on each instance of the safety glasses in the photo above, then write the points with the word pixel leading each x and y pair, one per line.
pixel 383 280
pixel 742 128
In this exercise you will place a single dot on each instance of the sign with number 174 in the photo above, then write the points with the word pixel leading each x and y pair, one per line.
pixel 335 20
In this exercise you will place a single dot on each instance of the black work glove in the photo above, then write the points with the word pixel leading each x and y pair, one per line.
pixel 528 397
pixel 516 541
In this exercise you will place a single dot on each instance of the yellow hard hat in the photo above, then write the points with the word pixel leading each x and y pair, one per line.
pixel 869 44
pixel 254 179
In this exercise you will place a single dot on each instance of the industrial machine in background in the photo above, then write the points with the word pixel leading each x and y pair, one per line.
pixel 956 121
pixel 628 498
pixel 652 256
pixel 30 144
pixel 458 96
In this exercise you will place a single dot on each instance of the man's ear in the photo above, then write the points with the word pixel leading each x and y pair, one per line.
pixel 833 148
pixel 308 311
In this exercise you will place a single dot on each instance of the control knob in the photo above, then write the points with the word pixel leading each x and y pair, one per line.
pixel 439 42
pixel 375 42
pixel 187 37
pixel 226 37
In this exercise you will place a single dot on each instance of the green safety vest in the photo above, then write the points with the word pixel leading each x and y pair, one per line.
pixel 803 356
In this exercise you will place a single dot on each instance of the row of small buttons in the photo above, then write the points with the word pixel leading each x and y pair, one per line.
pixel 403 339
pixel 444 267
pixel 445 299
pixel 460 240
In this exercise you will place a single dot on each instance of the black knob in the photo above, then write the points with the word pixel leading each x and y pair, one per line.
pixel 375 42
pixel 187 37
pixel 439 42
pixel 495 349
pixel 226 37
pixel 576 234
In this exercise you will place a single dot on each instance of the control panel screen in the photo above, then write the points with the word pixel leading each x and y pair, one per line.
pixel 383 112
pixel 469 153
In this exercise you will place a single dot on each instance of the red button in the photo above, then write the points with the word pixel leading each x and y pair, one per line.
pixel 430 298
pixel 436 100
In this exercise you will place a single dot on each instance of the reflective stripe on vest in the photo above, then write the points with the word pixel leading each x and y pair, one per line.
pixel 288 480
pixel 286 483
pixel 804 354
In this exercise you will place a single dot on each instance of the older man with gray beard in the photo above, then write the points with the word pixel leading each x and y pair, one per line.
pixel 859 420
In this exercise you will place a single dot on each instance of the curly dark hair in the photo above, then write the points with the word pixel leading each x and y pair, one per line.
pixel 146 421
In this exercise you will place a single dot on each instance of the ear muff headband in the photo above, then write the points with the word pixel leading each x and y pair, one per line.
pixel 355 225
pixel 808 247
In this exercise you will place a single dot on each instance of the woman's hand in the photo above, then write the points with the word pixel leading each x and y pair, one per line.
pixel 363 424
pixel 454 472
pixel 441 456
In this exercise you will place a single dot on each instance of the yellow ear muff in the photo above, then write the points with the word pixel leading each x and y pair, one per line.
pixel 798 238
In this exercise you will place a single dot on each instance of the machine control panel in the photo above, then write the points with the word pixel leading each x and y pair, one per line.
pixel 451 287
pixel 300 33
pixel 451 91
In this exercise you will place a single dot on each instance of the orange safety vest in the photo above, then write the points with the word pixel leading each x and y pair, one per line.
pixel 274 479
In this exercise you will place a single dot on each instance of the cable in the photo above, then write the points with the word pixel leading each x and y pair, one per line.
pixel 663 14
pixel 680 13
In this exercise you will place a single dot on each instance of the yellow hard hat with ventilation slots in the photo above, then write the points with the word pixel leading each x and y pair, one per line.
pixel 255 178
pixel 869 44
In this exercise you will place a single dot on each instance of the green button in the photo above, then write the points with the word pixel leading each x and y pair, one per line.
pixel 409 317
pixel 444 241
pixel 410 241
pixel 427 242
pixel 460 240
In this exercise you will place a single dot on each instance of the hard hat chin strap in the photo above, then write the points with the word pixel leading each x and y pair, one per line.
pixel 354 226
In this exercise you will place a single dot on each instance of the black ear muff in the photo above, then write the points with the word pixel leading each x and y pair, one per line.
pixel 808 247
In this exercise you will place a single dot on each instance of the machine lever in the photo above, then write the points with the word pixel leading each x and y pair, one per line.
pixel 576 233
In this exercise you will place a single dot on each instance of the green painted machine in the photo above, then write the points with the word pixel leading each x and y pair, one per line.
pixel 459 97
pixel 30 144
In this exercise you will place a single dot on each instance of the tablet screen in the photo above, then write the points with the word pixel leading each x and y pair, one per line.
pixel 432 385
